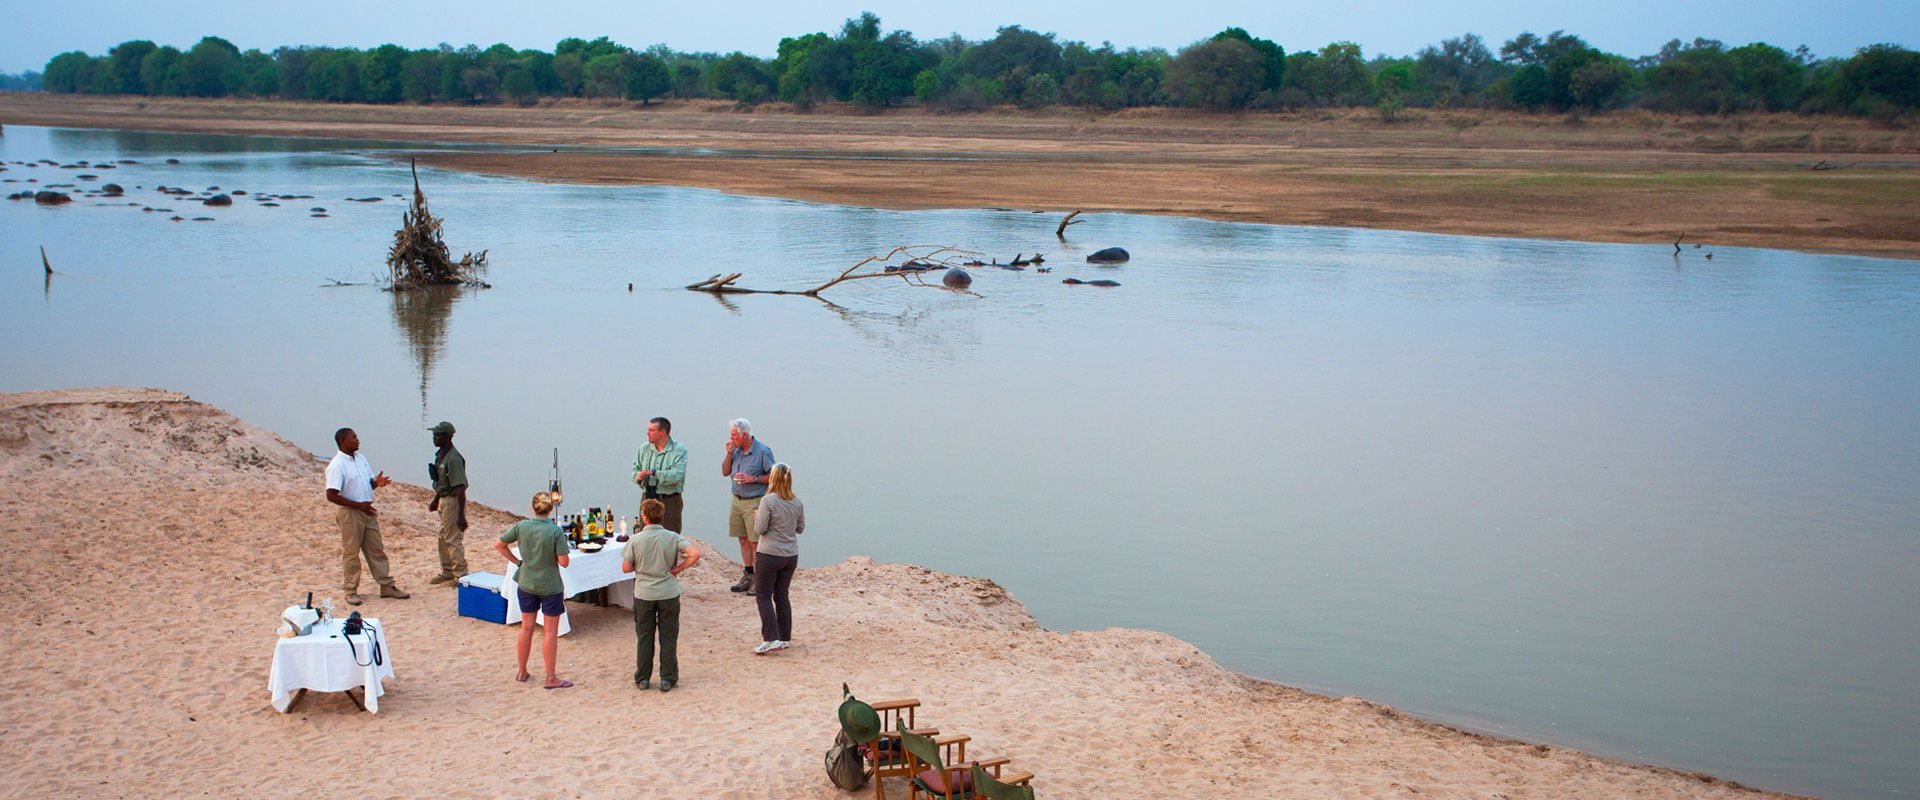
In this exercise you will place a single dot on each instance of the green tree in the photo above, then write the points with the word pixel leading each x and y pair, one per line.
pixel 604 76
pixel 1041 90
pixel 647 77
pixel 1879 80
pixel 293 64
pixel 1220 74
pixel 1456 70
pixel 211 67
pixel 1529 87
pixel 334 75
pixel 123 64
pixel 1337 75
pixel 1697 78
pixel 1586 78
pixel 569 72
pixel 262 75
pixel 1274 55
pixel 884 69
pixel 420 77
pixel 70 73
pixel 1766 76
pixel 162 73
pixel 520 86
pixel 381 74
pixel 1528 50
pixel 741 77
pixel 1012 56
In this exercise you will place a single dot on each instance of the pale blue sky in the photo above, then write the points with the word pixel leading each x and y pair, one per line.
pixel 32 31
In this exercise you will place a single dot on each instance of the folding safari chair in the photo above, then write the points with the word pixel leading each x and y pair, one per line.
pixel 1010 787
pixel 927 759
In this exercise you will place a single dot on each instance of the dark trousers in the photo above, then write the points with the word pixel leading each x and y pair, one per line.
pixel 664 616
pixel 771 577
pixel 669 520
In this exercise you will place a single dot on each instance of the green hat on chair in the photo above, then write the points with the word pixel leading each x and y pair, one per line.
pixel 858 719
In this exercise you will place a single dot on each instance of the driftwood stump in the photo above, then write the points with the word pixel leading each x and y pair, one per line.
pixel 420 258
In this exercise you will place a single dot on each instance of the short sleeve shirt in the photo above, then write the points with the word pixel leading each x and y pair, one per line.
pixel 351 476
pixel 757 461
pixel 541 545
pixel 652 553
pixel 449 472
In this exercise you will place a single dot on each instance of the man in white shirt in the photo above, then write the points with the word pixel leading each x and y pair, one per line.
pixel 350 484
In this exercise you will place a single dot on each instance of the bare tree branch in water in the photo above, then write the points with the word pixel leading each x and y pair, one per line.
pixel 44 263
pixel 918 259
pixel 420 258
pixel 1061 232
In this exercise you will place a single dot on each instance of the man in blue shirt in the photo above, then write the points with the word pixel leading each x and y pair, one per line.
pixel 747 464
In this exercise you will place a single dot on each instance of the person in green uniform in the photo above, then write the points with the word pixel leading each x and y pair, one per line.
pixel 661 470
pixel 543 551
pixel 656 556
pixel 449 474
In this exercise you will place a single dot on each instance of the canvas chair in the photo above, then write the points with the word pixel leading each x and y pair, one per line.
pixel 927 760
pixel 1010 787
pixel 881 749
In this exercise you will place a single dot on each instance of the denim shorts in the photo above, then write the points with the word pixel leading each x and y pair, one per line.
pixel 552 605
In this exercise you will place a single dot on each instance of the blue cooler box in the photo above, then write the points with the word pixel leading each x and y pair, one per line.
pixel 480 597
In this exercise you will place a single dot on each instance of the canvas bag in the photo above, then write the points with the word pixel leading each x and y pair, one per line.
pixel 845 767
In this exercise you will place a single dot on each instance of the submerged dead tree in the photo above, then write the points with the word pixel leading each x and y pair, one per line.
pixel 916 260
pixel 420 258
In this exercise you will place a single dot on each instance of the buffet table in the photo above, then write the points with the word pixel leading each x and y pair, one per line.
pixel 323 661
pixel 584 572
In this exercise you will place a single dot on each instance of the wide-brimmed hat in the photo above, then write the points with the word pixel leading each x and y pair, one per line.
pixel 858 719
pixel 443 427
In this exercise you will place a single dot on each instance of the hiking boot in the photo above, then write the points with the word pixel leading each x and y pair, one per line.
pixel 666 686
pixel 444 577
pixel 393 592
pixel 354 599
pixel 745 584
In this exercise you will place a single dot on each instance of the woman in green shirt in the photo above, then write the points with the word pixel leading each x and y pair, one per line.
pixel 543 551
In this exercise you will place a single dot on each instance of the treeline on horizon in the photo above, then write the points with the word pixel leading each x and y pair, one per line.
pixel 861 65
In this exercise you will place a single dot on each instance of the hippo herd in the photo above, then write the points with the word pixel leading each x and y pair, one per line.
pixel 211 196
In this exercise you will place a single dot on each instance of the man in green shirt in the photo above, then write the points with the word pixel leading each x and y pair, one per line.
pixel 449 474
pixel 661 471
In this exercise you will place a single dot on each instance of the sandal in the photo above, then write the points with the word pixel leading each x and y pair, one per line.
pixel 560 685
pixel 523 677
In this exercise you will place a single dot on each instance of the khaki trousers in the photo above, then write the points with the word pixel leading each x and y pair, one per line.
pixel 360 534
pixel 453 541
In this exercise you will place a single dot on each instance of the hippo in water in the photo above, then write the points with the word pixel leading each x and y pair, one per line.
pixel 218 200
pixel 1111 255
pixel 956 278
pixel 1078 282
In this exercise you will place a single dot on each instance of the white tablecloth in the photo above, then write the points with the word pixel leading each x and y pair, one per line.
pixel 321 661
pixel 584 572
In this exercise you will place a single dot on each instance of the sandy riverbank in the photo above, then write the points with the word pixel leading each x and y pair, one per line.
pixel 1627 177
pixel 151 542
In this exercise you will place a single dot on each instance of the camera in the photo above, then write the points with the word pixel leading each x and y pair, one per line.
pixel 353 624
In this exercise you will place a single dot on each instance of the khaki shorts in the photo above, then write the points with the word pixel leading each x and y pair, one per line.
pixel 740 519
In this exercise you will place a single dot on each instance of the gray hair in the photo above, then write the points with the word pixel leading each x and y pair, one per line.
pixel 742 425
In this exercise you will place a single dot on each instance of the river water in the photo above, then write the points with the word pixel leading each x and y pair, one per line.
pixel 1660 507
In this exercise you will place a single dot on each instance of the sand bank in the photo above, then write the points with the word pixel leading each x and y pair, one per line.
pixel 1746 180
pixel 151 542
